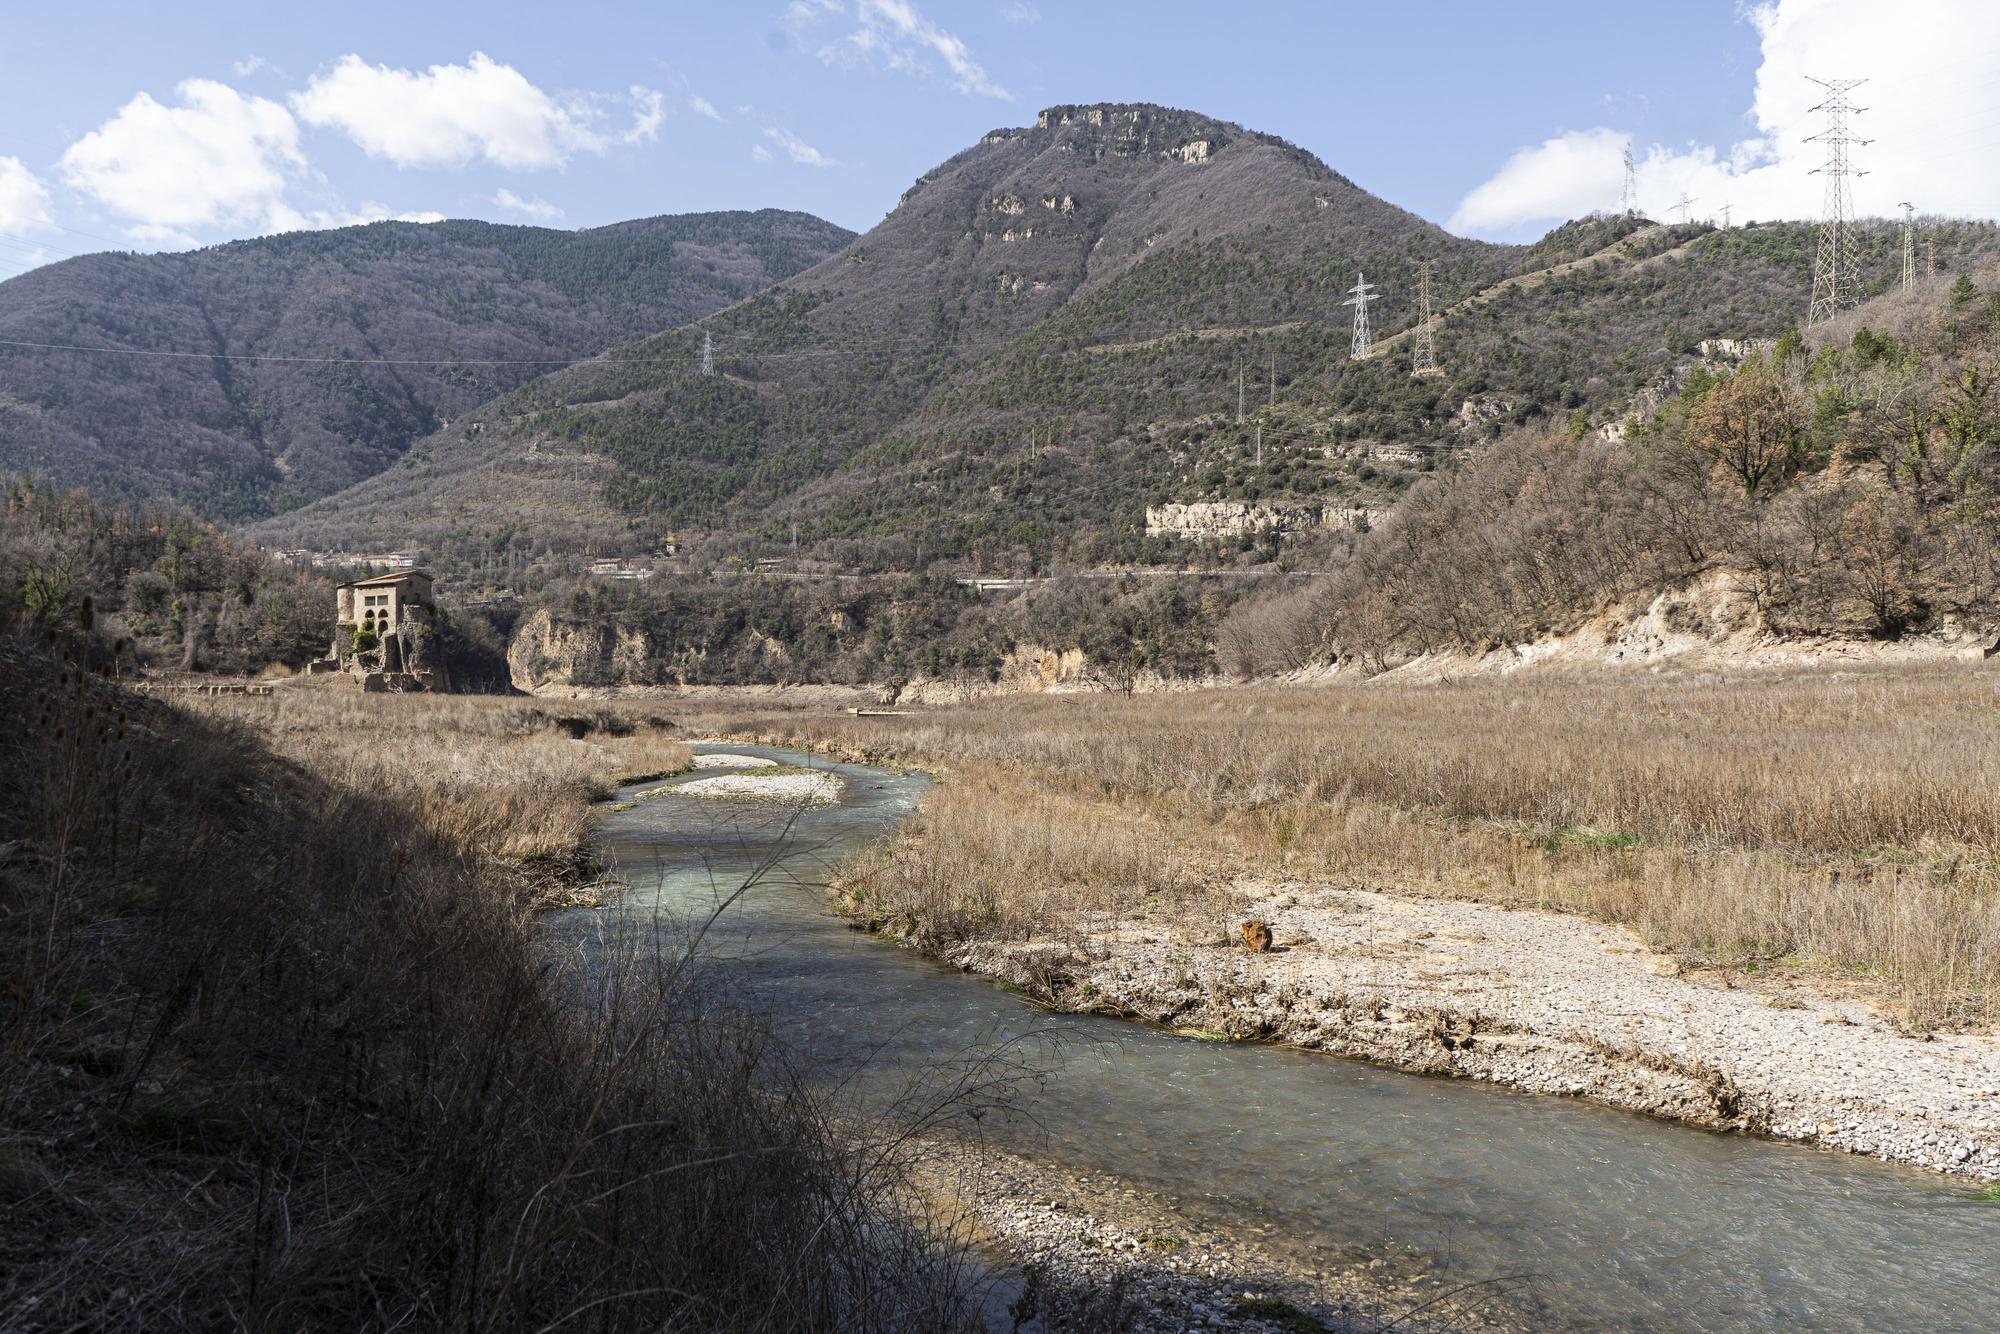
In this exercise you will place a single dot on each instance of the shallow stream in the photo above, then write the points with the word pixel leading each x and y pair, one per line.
pixel 1627 1222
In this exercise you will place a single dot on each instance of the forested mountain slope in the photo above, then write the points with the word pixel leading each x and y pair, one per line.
pixel 1113 211
pixel 256 376
pixel 1053 331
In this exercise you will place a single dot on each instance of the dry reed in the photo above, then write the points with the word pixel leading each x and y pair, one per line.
pixel 1843 820
pixel 505 777
pixel 280 1050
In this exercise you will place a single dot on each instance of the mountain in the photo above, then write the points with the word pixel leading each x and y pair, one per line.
pixel 1051 334
pixel 253 377
pixel 1118 212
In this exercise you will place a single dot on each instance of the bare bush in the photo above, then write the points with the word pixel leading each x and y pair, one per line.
pixel 283 1052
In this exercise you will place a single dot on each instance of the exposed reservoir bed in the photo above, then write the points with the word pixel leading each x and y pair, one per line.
pixel 1629 1222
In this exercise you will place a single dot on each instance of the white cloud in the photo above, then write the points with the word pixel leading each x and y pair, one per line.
pixel 1020 12
pixel 759 153
pixel 703 107
pixel 1928 65
pixel 539 209
pixel 452 115
pixel 1563 177
pixel 649 108
pixel 370 213
pixel 24 200
pixel 217 159
pixel 797 149
pixel 893 35
pixel 253 64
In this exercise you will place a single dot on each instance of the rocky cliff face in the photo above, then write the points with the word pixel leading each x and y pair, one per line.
pixel 1231 518
pixel 549 653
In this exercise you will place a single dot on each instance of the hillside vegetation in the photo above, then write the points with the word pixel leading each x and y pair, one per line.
pixel 1844 485
pixel 1048 335
pixel 252 377
pixel 163 588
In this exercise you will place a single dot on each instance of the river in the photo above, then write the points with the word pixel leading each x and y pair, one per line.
pixel 1627 1222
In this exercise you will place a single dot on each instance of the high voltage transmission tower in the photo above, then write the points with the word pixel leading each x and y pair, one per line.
pixel 1834 279
pixel 1424 360
pixel 1628 201
pixel 1685 206
pixel 1909 245
pixel 1362 294
pixel 707 353
pixel 1725 215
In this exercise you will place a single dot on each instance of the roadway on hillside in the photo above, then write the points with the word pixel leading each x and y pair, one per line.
pixel 1617 251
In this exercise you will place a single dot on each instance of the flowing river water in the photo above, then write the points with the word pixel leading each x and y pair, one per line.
pixel 1627 1222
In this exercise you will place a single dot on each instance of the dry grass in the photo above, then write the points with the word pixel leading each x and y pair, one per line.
pixel 1001 852
pixel 1848 820
pixel 281 1049
pixel 502 777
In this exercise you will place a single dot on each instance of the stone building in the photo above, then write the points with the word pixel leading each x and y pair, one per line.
pixel 385 633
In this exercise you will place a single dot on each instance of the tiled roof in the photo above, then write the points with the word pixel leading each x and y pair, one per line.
pixel 383 580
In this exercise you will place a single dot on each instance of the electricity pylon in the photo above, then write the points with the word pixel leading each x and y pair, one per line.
pixel 1686 207
pixel 707 352
pixel 1834 280
pixel 1909 245
pixel 1628 202
pixel 1424 360
pixel 1362 294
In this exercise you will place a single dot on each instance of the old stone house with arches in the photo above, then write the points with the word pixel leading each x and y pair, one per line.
pixel 385 632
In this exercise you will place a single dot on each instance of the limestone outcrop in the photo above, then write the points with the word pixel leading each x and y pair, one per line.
pixel 548 652
pixel 1231 518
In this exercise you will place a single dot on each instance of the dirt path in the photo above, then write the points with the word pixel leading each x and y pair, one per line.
pixel 1617 251
pixel 1246 331
pixel 1548 1003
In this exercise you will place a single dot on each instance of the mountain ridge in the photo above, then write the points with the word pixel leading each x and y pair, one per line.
pixel 977 251
pixel 332 350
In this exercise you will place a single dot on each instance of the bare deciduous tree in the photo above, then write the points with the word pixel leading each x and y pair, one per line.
pixel 1752 427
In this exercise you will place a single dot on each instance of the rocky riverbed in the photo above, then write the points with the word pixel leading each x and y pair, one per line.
pixel 759 783
pixel 1095 1252
pixel 1545 1002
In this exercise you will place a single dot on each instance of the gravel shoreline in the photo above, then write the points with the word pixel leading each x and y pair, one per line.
pixel 1542 1001
pixel 1091 1251
pixel 723 759
pixel 809 789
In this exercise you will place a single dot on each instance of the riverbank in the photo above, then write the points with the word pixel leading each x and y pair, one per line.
pixel 1539 1001
pixel 1097 1251
pixel 292 1047
pixel 1764 905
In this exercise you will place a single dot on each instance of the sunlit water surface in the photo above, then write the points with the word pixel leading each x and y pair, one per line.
pixel 1627 1223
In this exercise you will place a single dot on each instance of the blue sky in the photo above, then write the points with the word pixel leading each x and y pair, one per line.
pixel 130 126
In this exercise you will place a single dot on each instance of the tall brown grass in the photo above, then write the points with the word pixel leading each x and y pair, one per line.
pixel 281 1049
pixel 996 852
pixel 509 778
pixel 1848 820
